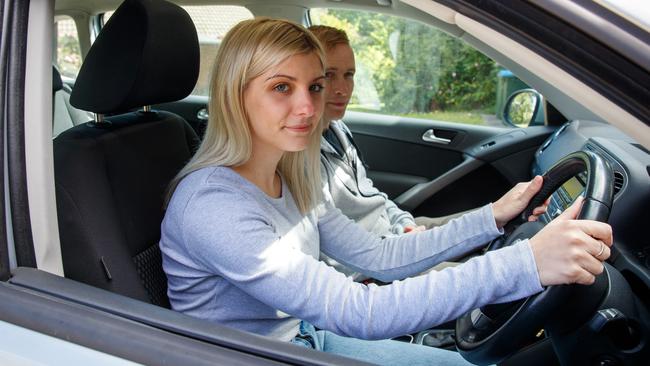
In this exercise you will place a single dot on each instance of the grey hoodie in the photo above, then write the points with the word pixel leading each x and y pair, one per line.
pixel 353 192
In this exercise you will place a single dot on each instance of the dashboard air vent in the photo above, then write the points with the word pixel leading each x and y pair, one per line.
pixel 619 181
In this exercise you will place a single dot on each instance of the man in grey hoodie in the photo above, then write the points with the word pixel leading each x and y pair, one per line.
pixel 343 170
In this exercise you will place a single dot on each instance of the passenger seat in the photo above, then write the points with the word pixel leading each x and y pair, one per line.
pixel 112 173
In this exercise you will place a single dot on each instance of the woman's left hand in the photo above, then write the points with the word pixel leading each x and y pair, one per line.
pixel 516 200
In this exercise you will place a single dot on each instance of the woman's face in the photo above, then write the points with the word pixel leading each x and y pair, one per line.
pixel 340 81
pixel 285 104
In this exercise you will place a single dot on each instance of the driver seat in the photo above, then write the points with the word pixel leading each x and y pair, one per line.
pixel 112 173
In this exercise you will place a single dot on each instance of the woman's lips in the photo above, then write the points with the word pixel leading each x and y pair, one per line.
pixel 299 128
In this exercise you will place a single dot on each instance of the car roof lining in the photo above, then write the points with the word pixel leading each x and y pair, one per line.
pixel 262 8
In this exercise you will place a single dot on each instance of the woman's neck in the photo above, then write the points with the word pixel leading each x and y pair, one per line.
pixel 260 170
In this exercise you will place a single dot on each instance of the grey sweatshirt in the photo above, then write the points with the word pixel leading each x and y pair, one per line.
pixel 235 256
pixel 354 193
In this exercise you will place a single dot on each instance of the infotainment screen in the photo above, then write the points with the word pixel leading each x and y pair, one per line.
pixel 564 196
pixel 571 189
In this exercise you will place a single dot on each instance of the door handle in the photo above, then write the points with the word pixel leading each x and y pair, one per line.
pixel 202 114
pixel 430 136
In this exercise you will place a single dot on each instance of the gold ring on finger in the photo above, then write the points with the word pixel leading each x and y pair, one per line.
pixel 602 249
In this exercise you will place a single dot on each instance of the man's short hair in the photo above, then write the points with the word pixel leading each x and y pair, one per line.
pixel 330 37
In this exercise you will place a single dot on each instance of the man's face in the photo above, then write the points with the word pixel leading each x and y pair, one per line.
pixel 340 81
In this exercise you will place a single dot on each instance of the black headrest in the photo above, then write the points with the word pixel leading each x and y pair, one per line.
pixel 147 53
pixel 57 83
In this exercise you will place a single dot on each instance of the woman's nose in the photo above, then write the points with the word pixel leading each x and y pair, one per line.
pixel 305 104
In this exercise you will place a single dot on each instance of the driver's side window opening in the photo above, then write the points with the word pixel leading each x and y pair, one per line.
pixel 410 69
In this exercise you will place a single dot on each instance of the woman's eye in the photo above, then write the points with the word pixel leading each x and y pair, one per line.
pixel 329 75
pixel 349 75
pixel 316 88
pixel 282 88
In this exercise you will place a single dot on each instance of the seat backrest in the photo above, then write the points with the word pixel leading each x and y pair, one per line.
pixel 112 175
pixel 64 115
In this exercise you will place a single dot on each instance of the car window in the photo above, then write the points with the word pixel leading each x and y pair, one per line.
pixel 406 68
pixel 67 51
pixel 212 23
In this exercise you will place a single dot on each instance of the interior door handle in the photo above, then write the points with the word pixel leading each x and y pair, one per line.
pixel 202 114
pixel 430 136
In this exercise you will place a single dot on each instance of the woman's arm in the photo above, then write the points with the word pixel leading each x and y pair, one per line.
pixel 395 258
pixel 228 235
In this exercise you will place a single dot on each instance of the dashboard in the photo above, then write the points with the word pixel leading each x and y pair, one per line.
pixel 630 214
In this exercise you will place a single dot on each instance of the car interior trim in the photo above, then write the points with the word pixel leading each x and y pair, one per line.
pixel 616 33
pixel 163 319
pixel 584 94
pixel 38 177
pixel 95 329
pixel 419 193
pixel 15 114
pixel 603 69
pixel 5 215
pixel 439 11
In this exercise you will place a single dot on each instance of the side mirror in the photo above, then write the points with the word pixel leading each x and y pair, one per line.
pixel 523 108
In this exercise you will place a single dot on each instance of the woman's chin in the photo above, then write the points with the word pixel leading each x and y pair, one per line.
pixel 296 146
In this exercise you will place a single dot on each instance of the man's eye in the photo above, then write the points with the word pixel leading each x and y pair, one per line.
pixel 329 75
pixel 282 88
pixel 316 88
pixel 349 75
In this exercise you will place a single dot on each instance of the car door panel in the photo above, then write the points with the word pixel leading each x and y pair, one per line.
pixel 99 320
pixel 471 166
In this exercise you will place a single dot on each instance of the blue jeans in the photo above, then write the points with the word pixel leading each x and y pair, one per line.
pixel 384 352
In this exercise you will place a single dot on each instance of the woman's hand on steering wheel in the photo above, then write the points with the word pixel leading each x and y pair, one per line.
pixel 569 250
pixel 515 201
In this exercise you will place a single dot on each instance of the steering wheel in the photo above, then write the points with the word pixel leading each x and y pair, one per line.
pixel 490 334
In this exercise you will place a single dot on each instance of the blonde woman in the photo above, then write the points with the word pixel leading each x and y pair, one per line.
pixel 243 229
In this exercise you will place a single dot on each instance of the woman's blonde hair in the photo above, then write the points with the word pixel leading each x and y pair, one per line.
pixel 248 50
pixel 329 37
